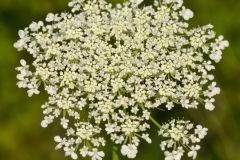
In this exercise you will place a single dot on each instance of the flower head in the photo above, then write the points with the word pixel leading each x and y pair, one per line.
pixel 105 68
pixel 179 135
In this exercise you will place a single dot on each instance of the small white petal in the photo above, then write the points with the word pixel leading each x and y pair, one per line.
pixel 44 123
pixel 21 33
pixel 50 17
pixel 74 155
pixel 57 139
pixel 187 14
pixel 19 44
pixel 23 62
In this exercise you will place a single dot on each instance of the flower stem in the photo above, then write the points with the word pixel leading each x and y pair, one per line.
pixel 114 153
pixel 152 119
pixel 154 122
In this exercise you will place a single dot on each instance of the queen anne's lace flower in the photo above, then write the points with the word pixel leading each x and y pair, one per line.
pixel 107 68
pixel 129 150
pixel 187 14
pixel 179 134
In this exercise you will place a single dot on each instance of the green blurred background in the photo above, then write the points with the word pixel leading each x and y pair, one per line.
pixel 22 138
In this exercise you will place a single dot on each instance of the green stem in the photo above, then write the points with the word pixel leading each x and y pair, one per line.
pixel 154 122
pixel 152 119
pixel 114 153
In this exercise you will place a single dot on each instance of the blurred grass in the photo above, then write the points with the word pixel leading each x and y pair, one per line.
pixel 22 138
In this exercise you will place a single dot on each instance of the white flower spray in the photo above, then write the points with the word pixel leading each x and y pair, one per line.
pixel 107 68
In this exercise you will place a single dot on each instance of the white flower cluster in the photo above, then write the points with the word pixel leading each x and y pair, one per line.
pixel 179 137
pixel 106 68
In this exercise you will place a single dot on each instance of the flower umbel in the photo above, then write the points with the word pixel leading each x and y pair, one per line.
pixel 179 137
pixel 107 68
